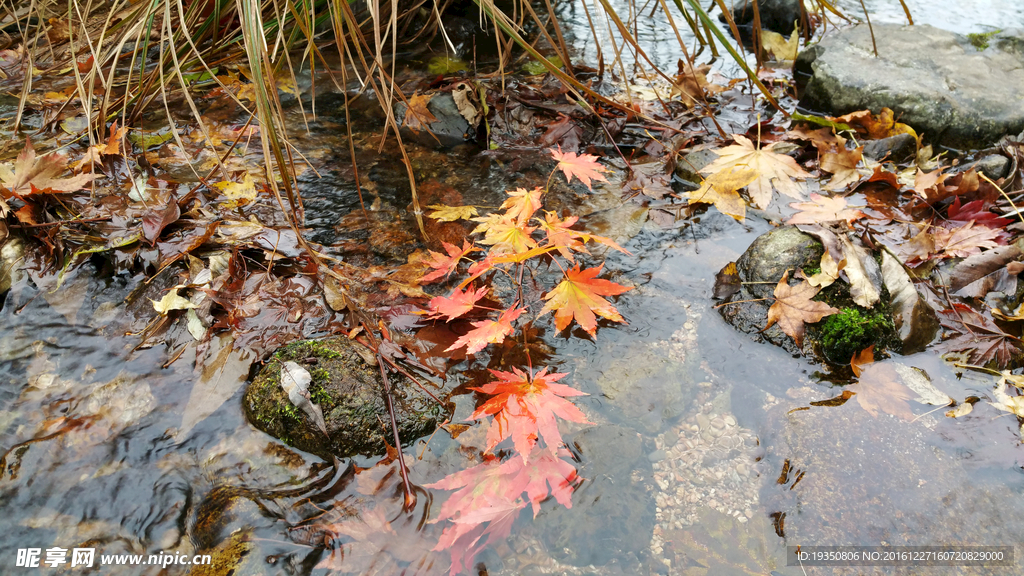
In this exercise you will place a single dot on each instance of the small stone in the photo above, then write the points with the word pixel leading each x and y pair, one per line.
pixel 742 519
pixel 730 421
pixel 718 422
pixel 748 513
pixel 713 503
pixel 703 421
pixel 716 432
pixel 657 455
pixel 742 469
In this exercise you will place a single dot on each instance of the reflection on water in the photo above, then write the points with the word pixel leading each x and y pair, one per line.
pixel 658 39
pixel 697 463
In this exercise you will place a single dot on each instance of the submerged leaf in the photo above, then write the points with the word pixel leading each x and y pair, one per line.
pixel 583 166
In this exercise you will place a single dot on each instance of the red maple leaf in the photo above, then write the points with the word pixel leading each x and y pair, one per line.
pixel 978 335
pixel 978 211
pixel 578 297
pixel 456 305
pixel 583 166
pixel 487 332
pixel 444 265
pixel 524 408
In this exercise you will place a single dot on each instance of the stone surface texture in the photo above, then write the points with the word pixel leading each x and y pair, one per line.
pixel 936 81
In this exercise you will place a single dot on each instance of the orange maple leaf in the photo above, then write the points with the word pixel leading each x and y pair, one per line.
pixel 487 332
pixel 456 305
pixel 524 408
pixel 578 297
pixel 522 204
pixel 583 166
pixel 417 115
pixel 444 265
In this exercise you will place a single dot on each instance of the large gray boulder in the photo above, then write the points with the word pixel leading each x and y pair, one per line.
pixel 936 81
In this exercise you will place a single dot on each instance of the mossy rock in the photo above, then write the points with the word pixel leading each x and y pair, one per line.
pixel 835 338
pixel 350 393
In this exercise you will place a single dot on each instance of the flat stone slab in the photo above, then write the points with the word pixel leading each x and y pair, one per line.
pixel 936 81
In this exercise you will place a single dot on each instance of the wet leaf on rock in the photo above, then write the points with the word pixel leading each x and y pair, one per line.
pixel 793 308
pixel 727 282
pixel 823 209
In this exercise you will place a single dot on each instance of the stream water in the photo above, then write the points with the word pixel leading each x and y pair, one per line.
pixel 699 465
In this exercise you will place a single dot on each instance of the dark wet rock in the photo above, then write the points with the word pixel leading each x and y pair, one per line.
pixel 237 555
pixel 778 15
pixel 774 252
pixel 689 166
pixel 895 148
pixel 836 475
pixel 612 515
pixel 648 388
pixel 837 337
pixel 994 166
pixel 450 129
pixel 348 390
pixel 223 511
pixel 766 260
pixel 936 81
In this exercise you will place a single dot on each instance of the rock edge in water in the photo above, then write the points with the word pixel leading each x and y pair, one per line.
pixel 349 391
pixel 936 81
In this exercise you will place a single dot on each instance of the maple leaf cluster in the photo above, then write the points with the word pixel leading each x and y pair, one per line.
pixel 523 406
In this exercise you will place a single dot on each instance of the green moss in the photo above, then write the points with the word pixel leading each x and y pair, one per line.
pixel 845 334
pixel 980 39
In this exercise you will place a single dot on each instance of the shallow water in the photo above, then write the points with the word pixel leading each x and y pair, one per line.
pixel 660 43
pixel 108 449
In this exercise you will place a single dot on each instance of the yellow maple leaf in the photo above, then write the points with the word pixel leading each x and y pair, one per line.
pixel 777 45
pixel 721 188
pixel 445 213
pixel 239 193
pixel 773 169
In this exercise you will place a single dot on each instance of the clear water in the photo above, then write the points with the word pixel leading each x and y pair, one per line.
pixel 107 448
pixel 659 42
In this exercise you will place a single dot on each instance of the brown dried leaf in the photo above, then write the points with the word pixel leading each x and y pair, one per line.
pixel 793 308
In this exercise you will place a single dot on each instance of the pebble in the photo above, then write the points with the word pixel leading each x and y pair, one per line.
pixel 657 455
pixel 703 421
pixel 730 421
